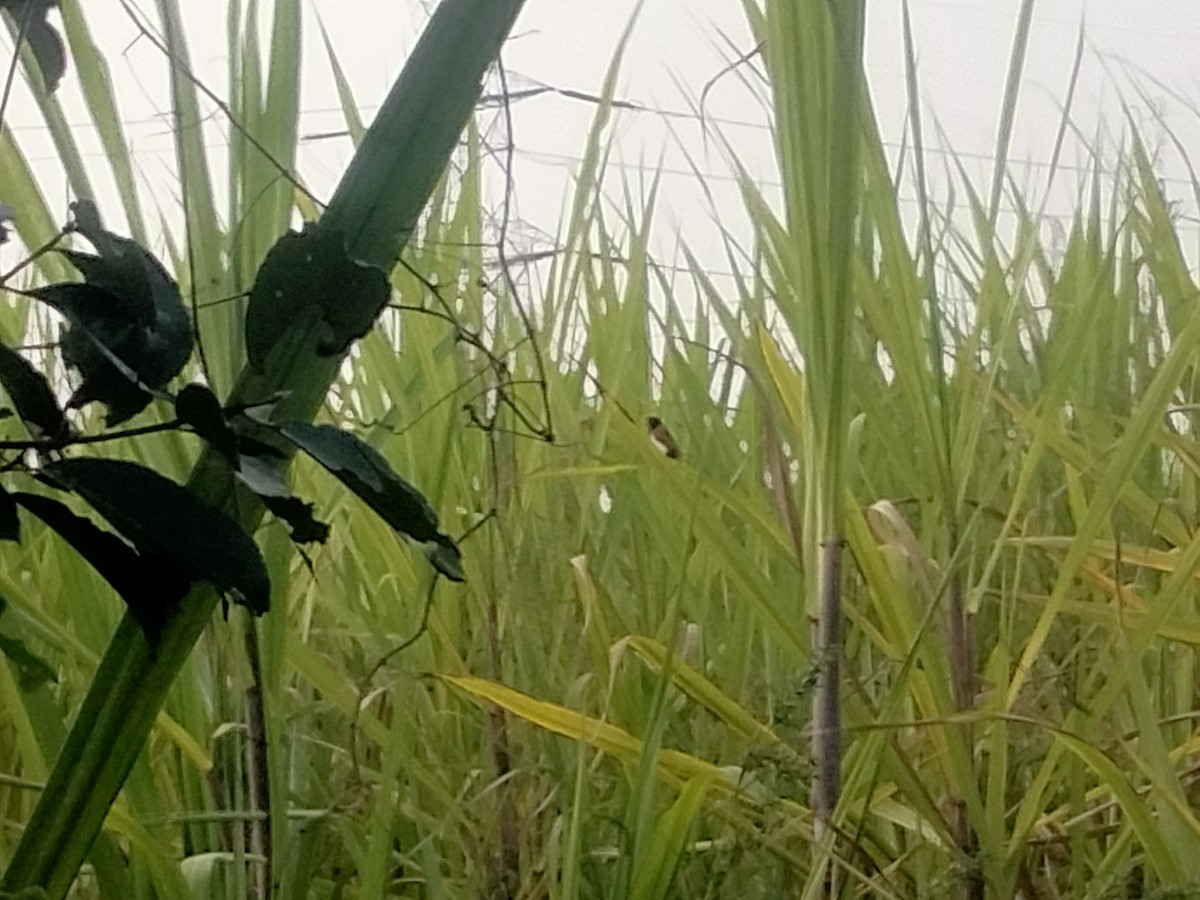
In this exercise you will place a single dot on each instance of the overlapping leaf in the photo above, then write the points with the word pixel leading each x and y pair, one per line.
pixel 258 466
pixel 365 471
pixel 264 475
pixel 128 332
pixel 197 406
pixel 162 519
pixel 151 585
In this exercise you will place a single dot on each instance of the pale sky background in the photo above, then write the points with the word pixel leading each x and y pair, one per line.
pixel 1142 53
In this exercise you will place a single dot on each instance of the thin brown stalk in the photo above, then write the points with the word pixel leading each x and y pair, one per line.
pixel 962 674
pixel 827 651
pixel 257 771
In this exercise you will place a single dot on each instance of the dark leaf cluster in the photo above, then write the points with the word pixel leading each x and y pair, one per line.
pixel 128 332
pixel 127 335
pixel 43 39
pixel 310 271
pixel 259 466
pixel 164 537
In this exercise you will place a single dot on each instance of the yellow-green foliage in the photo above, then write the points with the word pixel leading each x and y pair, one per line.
pixel 642 621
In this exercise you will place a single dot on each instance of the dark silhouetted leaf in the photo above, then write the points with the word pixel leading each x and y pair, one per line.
pixel 302 526
pixel 122 268
pixel 98 332
pixel 162 518
pixel 90 304
pixel 199 407
pixel 254 447
pixel 44 40
pixel 311 268
pixel 128 332
pixel 124 279
pixel 364 470
pixel 445 557
pixel 49 52
pixel 265 477
pixel 150 585
pixel 10 525
pixel 31 395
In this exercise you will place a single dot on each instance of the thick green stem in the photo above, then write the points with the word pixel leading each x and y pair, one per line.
pixel 376 207
pixel 102 747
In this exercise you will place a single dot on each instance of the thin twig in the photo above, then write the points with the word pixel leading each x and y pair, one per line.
pixel 509 187
pixel 29 260
pixel 220 104
pixel 48 444
pixel 499 366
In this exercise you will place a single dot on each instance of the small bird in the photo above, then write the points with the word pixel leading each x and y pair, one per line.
pixel 662 438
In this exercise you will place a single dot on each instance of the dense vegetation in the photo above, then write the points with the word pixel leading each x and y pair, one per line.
pixel 615 703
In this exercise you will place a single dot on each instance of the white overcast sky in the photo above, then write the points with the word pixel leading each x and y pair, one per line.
pixel 1138 53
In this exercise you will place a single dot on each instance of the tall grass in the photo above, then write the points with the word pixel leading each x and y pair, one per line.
pixel 1019 442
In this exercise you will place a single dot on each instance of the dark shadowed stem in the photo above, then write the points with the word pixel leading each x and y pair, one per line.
pixel 506 878
pixel 507 881
pixel 962 663
pixel 827 722
pixel 257 773
pixel 962 674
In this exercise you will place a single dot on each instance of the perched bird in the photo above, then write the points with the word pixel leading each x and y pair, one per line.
pixel 662 437
pixel 128 332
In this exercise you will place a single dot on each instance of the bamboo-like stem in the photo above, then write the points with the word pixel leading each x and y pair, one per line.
pixel 962 674
pixel 826 710
pixel 257 767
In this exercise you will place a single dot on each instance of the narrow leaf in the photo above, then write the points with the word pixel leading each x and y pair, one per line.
pixel 365 471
